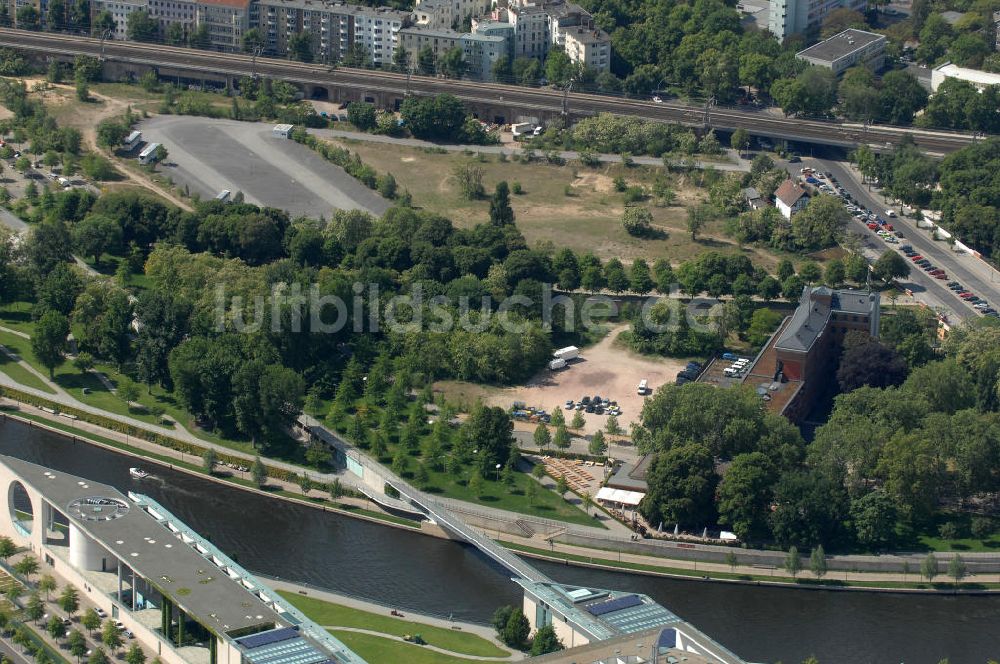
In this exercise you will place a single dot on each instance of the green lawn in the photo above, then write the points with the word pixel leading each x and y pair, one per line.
pixel 377 649
pixel 17 316
pixel 22 375
pixel 328 614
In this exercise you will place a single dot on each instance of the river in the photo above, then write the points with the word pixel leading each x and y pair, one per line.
pixel 420 573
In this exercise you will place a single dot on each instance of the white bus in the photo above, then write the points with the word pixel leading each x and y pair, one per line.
pixel 132 141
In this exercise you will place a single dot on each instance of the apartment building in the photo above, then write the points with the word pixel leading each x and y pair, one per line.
pixel 168 12
pixel 792 17
pixel 448 14
pixel 589 47
pixel 226 20
pixel 333 27
pixel 119 10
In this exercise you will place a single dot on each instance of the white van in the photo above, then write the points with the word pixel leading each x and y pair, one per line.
pixel 730 372
pixel 643 386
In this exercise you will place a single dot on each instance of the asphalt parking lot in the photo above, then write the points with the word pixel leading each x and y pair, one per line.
pixel 209 155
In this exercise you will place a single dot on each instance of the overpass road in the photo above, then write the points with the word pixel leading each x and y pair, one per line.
pixel 491 99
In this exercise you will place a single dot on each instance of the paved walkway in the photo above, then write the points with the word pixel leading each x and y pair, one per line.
pixel 737 164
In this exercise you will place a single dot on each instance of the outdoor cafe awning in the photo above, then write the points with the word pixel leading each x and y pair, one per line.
pixel 620 496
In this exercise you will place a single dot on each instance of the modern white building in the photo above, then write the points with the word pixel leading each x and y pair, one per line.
pixel 980 79
pixel 584 617
pixel 182 598
pixel 847 49
pixel 792 17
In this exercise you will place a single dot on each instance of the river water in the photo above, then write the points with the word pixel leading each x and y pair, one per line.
pixel 420 573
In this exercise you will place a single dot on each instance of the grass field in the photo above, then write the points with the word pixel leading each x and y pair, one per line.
pixel 378 649
pixel 22 375
pixel 587 220
pixel 329 614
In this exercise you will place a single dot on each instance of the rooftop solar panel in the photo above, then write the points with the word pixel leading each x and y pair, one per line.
pixel 266 638
pixel 618 604
pixel 668 639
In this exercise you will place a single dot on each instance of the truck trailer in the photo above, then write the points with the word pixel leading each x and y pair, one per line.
pixel 567 353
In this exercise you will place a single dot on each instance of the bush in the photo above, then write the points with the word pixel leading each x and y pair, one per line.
pixel 515 188
pixel 982 527
pixel 637 221
pixel 950 530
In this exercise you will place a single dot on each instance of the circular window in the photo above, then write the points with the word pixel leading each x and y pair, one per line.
pixel 98 508
pixel 21 512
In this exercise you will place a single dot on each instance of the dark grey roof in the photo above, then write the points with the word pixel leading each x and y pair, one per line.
pixel 751 194
pixel 811 316
pixel 631 476
pixel 840 45
pixel 155 553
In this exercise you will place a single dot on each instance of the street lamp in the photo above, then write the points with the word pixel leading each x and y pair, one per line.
pixel 498 472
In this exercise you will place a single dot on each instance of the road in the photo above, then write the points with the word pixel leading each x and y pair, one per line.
pixel 970 271
pixel 491 99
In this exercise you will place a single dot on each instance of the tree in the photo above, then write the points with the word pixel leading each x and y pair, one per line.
pixel 306 484
pixel 870 363
pixel 491 429
pixel 578 421
pixel 77 644
pixel 874 519
pixel 476 485
pixel 531 491
pixel 258 471
pixel 208 460
pixel 597 445
pixel 682 484
pixel 7 547
pixel 47 584
pixel 640 279
pixel 821 224
pixel 361 115
pixel 28 18
pixel 515 632
pixel 956 568
pixel 740 140
pixel 615 277
pixel 135 655
pixel 69 600
pixel 253 39
pixel 545 641
pixel 697 216
pixel 793 561
pixel 929 567
pixel 452 63
pixel 637 221
pixel 161 153
pixel 891 266
pixel 744 496
pixel 470 181
pixel 810 272
pixel 142 27
pixel 426 60
pixel 300 47
pixel 98 657
pixel 561 439
pixel 501 214
pixel 26 566
pixel 542 436
pixel 56 628
pixel 817 562
pixel 500 618
pixel 111 636
pixel 34 609
pixel 97 234
pixel 440 117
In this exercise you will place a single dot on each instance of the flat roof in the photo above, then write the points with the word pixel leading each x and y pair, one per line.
pixel 971 75
pixel 840 45
pixel 155 553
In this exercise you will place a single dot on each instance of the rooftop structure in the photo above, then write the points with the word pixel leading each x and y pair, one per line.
pixel 847 49
pixel 817 306
pixel 181 596
pixel 978 78
pixel 582 616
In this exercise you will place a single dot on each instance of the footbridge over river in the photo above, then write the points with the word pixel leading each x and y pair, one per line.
pixel 374 478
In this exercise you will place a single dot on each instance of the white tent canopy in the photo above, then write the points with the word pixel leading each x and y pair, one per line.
pixel 620 496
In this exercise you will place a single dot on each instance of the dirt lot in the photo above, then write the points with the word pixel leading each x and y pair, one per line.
pixel 607 369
